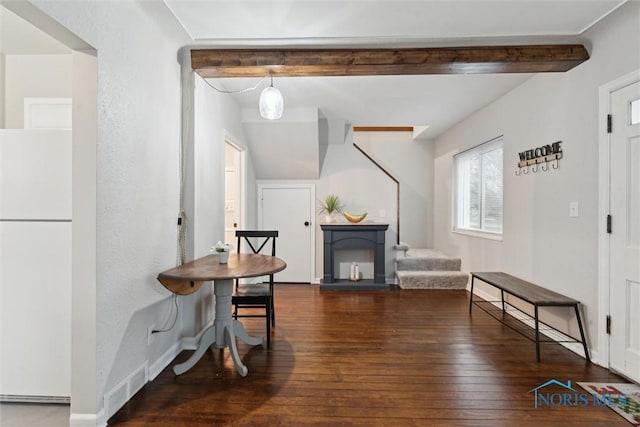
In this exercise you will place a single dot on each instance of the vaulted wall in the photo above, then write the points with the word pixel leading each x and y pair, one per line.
pixel 541 243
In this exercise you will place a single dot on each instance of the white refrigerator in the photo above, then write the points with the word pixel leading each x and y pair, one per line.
pixel 35 265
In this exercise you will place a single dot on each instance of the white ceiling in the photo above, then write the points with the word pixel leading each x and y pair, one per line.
pixel 438 101
pixel 264 19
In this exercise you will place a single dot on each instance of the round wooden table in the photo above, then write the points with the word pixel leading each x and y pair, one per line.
pixel 188 278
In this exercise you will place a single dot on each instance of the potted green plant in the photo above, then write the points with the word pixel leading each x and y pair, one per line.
pixel 329 205
pixel 223 250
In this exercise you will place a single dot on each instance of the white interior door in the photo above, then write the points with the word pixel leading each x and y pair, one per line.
pixel 232 192
pixel 624 349
pixel 288 209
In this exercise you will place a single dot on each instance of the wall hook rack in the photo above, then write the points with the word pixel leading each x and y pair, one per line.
pixel 539 158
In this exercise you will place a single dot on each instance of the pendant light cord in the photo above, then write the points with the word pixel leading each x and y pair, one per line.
pixel 188 84
pixel 249 89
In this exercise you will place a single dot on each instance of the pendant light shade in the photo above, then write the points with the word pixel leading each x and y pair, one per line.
pixel 271 103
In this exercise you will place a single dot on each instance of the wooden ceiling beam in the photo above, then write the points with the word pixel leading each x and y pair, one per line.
pixel 367 62
pixel 383 128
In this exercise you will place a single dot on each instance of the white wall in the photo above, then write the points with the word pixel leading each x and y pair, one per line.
pixel 410 162
pixel 363 188
pixel 2 89
pixel 217 116
pixel 137 175
pixel 47 76
pixel 284 149
pixel 83 246
pixel 541 242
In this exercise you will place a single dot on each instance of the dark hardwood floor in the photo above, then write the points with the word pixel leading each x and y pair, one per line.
pixel 372 358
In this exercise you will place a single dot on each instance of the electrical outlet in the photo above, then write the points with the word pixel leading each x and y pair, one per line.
pixel 150 335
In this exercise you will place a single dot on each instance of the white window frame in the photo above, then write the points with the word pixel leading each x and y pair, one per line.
pixel 493 144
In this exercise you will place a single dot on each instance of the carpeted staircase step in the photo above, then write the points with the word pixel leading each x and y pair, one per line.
pixel 425 253
pixel 427 260
pixel 432 279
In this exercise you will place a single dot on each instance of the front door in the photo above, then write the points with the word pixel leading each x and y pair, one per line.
pixel 625 237
pixel 288 209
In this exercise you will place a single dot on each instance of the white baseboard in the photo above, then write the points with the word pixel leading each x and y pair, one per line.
pixel 190 343
pixel 164 360
pixel 482 294
pixel 120 394
pixel 87 420
pixel 388 281
pixel 573 346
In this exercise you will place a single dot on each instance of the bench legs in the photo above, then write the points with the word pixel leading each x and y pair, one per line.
pixel 584 341
pixel 582 337
pixel 537 321
pixel 471 296
pixel 537 333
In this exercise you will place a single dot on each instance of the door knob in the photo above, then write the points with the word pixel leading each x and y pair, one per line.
pixel 306 223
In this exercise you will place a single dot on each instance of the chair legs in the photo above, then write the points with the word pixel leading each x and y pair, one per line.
pixel 273 313
pixel 259 298
pixel 269 314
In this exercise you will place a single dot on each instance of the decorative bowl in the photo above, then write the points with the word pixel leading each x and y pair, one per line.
pixel 354 218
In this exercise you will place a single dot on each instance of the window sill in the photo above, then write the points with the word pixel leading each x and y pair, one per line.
pixel 481 234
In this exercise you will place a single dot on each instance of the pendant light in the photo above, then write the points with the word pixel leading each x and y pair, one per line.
pixel 271 103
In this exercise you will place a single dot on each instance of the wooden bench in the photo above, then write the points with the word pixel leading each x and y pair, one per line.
pixel 532 294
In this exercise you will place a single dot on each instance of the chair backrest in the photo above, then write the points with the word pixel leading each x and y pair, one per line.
pixel 257 239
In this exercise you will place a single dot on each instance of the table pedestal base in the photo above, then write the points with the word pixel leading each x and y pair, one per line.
pixel 222 333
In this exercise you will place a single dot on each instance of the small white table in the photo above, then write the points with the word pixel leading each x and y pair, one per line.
pixel 188 278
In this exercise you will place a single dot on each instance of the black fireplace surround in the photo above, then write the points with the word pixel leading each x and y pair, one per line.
pixel 354 236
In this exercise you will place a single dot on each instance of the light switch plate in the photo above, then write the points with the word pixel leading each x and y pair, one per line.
pixel 573 209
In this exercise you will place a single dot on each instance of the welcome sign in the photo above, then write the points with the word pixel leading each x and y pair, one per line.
pixel 543 154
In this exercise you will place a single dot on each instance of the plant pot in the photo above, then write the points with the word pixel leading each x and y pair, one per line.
pixel 224 257
pixel 328 218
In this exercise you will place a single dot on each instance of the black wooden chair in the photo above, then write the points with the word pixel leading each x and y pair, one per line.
pixel 256 295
